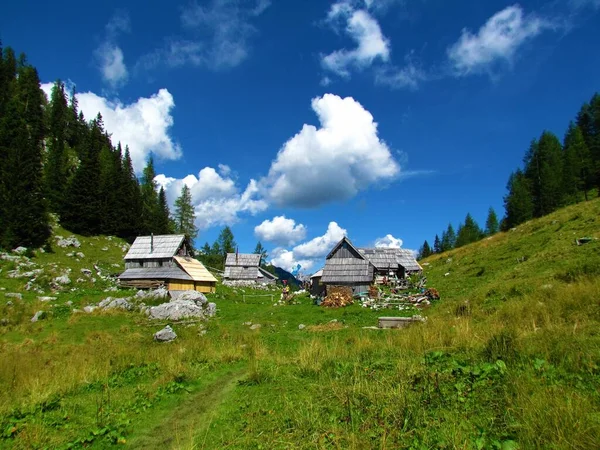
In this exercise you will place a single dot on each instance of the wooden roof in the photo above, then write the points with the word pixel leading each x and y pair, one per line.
pixel 155 247
pixel 247 273
pixel 391 258
pixel 195 269
pixel 346 265
pixel 347 271
pixel 155 273
pixel 243 259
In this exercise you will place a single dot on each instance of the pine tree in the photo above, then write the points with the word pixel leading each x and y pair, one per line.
pixel 543 169
pixel 518 203
pixel 491 223
pixel 468 232
pixel 260 250
pixel 82 206
pixel 130 201
pixel 165 225
pixel 56 163
pixel 24 213
pixel 424 251
pixel 448 239
pixel 150 207
pixel 578 170
pixel 184 214
pixel 226 242
pixel 437 245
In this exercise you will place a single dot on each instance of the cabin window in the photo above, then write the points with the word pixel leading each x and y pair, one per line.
pixel 141 263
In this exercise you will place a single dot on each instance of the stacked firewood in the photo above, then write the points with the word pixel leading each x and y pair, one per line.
pixel 337 297
pixel 373 292
pixel 432 293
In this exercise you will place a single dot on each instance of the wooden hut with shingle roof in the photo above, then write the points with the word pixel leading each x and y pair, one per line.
pixel 246 267
pixel 346 266
pixel 391 262
pixel 166 260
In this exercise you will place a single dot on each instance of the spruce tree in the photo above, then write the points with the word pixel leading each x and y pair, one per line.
pixel 491 223
pixel 437 244
pixel 448 239
pixel 56 162
pixel 578 170
pixel 424 251
pixel 82 206
pixel 518 203
pixel 150 207
pixel 164 225
pixel 260 250
pixel 468 232
pixel 543 169
pixel 24 214
pixel 226 242
pixel 130 201
pixel 185 215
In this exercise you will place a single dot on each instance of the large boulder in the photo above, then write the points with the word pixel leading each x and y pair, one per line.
pixel 177 310
pixel 115 303
pixel 165 335
pixel 197 297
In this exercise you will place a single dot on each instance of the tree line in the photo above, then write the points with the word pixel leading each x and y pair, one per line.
pixel 54 161
pixel 554 174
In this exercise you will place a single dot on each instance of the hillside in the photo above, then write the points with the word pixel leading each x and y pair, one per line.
pixel 508 358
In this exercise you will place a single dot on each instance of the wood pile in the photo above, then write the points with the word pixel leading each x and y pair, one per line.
pixel 337 297
pixel 373 292
pixel 432 293
pixel 141 284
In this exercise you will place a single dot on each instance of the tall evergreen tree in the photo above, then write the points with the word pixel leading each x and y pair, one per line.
pixel 22 128
pixel 130 201
pixel 448 238
pixel 578 171
pixel 425 251
pixel 165 224
pixel 518 203
pixel 150 207
pixel 56 161
pixel 491 223
pixel 226 242
pixel 543 168
pixel 82 206
pixel 468 232
pixel 260 250
pixel 437 245
pixel 185 215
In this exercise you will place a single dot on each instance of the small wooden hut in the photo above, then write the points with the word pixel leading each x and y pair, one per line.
pixel 346 266
pixel 391 262
pixel 165 260
pixel 317 288
pixel 246 267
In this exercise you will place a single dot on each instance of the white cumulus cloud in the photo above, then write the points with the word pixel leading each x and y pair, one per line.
pixel 333 162
pixel 388 241
pixel 308 253
pixel 216 198
pixel 109 55
pixel 281 231
pixel 497 40
pixel 362 28
pixel 143 125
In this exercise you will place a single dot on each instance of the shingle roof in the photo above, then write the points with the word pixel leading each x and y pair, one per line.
pixel 384 258
pixel 317 274
pixel 163 246
pixel 243 259
pixel 347 270
pixel 195 269
pixel 155 273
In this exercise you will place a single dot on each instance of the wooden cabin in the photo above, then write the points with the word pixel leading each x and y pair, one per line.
pixel 391 263
pixel 246 267
pixel 346 266
pixel 317 288
pixel 165 260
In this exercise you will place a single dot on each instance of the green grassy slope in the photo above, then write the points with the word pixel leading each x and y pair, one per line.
pixel 509 358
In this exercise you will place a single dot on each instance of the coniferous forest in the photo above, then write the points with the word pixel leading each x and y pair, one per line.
pixel 554 174
pixel 54 161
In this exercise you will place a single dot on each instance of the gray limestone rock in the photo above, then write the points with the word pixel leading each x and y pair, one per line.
pixel 16 295
pixel 63 279
pixel 177 310
pixel 38 316
pixel 69 242
pixel 46 299
pixel 165 335
pixel 112 303
pixel 256 326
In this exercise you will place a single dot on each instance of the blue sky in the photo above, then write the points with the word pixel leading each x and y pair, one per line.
pixel 296 122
